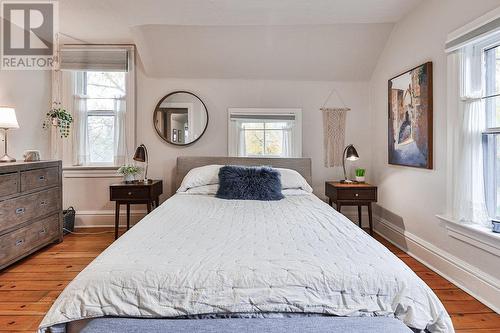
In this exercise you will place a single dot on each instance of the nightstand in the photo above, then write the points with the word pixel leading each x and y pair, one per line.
pixel 134 193
pixel 352 194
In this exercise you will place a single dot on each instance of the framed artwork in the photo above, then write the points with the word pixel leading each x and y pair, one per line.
pixel 410 118
pixel 174 135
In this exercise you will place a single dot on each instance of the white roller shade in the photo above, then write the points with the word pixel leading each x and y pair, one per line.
pixel 475 31
pixel 277 117
pixel 95 59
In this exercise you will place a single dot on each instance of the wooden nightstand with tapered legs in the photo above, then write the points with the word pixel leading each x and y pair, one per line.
pixel 352 194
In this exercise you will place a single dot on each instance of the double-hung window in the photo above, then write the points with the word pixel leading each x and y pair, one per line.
pixel 265 132
pixel 100 98
pixel 101 102
pixel 491 137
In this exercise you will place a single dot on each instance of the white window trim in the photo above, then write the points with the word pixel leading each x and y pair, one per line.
pixel 475 235
pixel 93 171
pixel 130 100
pixel 131 104
pixel 232 136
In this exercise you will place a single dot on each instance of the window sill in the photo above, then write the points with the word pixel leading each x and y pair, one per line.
pixel 478 236
pixel 90 172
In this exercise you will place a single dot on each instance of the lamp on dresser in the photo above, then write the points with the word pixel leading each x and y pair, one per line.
pixel 8 120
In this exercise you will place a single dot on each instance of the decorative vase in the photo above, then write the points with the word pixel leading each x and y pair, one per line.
pixel 128 178
pixel 360 179
pixel 55 122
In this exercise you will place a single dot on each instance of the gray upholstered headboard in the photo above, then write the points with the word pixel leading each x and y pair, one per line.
pixel 186 163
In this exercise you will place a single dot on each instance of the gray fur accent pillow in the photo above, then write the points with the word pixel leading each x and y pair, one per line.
pixel 249 183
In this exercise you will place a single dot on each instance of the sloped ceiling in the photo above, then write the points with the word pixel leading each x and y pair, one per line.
pixel 308 52
pixel 254 39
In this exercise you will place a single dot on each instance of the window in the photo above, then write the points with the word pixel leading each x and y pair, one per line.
pixel 491 137
pixel 265 132
pixel 102 97
pixel 98 86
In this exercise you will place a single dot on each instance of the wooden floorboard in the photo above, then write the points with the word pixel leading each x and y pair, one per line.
pixel 28 288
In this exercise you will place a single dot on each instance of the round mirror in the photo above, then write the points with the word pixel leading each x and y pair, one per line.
pixel 180 118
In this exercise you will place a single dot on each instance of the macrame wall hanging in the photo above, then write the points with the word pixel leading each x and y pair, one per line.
pixel 334 120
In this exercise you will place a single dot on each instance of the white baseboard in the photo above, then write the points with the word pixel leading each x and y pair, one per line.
pixel 105 218
pixel 472 280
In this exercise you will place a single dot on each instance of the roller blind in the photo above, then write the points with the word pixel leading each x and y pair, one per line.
pixel 95 59
pixel 263 116
pixel 475 31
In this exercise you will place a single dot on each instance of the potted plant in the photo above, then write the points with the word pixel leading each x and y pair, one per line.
pixel 59 117
pixel 360 175
pixel 129 172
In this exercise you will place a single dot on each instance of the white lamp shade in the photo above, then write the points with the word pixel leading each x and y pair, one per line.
pixel 8 117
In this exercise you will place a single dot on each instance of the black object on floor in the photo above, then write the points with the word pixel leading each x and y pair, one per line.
pixel 69 220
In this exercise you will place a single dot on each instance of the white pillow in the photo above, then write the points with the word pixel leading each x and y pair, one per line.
pixel 212 190
pixel 205 175
pixel 209 175
pixel 291 179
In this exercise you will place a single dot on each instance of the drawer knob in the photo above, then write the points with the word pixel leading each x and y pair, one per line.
pixel 43 203
pixel 20 211
pixel 129 193
pixel 357 194
pixel 41 178
pixel 19 242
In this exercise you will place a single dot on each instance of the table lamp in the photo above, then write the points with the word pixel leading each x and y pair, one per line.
pixel 141 155
pixel 8 120
pixel 349 154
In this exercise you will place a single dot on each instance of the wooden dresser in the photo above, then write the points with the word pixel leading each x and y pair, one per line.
pixel 30 208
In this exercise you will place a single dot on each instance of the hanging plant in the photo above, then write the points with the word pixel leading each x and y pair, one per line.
pixel 59 117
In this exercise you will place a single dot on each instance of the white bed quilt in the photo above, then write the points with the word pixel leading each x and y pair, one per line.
pixel 197 254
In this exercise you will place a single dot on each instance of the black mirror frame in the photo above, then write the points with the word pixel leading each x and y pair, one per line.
pixel 155 118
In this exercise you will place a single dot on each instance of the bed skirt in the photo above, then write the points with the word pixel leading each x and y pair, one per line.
pixel 275 325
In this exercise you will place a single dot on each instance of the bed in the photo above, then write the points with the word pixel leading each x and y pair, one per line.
pixel 202 264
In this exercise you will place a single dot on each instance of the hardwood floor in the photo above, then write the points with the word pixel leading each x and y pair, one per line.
pixel 28 288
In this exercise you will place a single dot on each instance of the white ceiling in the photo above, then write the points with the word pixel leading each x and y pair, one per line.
pixel 274 39
pixel 342 52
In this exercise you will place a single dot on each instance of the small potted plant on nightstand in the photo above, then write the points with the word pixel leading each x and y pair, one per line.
pixel 360 175
pixel 129 172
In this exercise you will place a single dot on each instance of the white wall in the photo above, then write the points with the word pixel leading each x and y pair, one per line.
pixel 29 93
pixel 219 95
pixel 90 196
pixel 410 198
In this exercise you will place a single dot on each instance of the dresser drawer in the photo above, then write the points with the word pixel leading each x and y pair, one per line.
pixel 39 178
pixel 43 230
pixel 357 194
pixel 25 239
pixel 132 193
pixel 9 184
pixel 22 209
